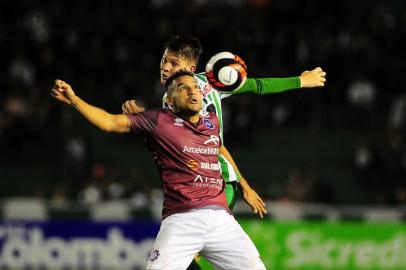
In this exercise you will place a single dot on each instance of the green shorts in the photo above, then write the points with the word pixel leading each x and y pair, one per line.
pixel 231 193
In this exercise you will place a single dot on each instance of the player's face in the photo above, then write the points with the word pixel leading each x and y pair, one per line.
pixel 186 96
pixel 172 62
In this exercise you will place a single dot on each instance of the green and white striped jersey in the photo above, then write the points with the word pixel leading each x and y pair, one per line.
pixel 214 97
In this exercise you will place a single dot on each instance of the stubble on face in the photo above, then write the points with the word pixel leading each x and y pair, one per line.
pixel 186 96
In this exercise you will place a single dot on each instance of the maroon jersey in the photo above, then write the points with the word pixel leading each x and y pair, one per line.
pixel 186 157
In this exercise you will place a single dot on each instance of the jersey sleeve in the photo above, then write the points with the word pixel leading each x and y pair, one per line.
pixel 263 86
pixel 145 122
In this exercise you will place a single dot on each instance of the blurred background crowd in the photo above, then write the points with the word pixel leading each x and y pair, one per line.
pixel 341 144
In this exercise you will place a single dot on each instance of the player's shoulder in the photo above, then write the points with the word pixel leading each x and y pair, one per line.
pixel 207 90
pixel 164 111
pixel 159 116
pixel 153 113
pixel 201 76
pixel 156 110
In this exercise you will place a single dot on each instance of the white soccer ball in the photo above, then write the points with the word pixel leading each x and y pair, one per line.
pixel 226 72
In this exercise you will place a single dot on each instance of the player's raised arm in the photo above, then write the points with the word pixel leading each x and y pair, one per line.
pixel 262 86
pixel 105 121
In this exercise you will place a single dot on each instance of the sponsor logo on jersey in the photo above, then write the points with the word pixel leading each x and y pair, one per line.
pixel 201 150
pixel 206 88
pixel 210 166
pixel 179 122
pixel 208 123
pixel 192 164
pixel 211 182
pixel 213 139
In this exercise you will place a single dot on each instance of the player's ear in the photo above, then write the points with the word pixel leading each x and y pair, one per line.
pixel 192 68
pixel 169 100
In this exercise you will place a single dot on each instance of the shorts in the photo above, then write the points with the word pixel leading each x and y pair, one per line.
pixel 214 234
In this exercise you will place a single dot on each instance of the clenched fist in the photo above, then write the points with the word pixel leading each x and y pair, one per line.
pixel 313 78
pixel 62 91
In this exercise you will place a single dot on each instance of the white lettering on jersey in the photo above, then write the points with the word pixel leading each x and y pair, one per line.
pixel 214 139
pixel 204 181
pixel 201 150
pixel 210 166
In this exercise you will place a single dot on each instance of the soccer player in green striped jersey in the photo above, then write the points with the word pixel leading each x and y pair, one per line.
pixel 183 52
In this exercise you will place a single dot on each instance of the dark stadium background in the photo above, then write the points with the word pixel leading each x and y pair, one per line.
pixel 340 145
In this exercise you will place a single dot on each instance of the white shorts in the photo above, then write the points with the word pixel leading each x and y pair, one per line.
pixel 214 234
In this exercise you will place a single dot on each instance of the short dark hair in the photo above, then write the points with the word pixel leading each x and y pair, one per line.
pixel 185 45
pixel 176 75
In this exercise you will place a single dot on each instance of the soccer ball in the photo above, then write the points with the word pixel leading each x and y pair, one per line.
pixel 226 72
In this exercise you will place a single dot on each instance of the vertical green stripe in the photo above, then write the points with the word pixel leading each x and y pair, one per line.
pixel 227 170
pixel 224 168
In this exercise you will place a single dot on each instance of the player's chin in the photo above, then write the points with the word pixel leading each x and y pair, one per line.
pixel 195 108
pixel 192 107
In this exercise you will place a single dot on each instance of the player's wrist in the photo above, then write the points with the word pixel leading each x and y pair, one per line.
pixel 302 81
pixel 244 184
pixel 75 101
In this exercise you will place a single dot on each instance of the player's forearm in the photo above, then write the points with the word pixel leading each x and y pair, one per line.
pixel 244 184
pixel 227 155
pixel 263 86
pixel 96 116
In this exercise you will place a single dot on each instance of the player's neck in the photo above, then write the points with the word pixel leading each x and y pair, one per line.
pixel 192 117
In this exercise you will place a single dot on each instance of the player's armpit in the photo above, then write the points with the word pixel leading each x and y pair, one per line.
pixel 120 123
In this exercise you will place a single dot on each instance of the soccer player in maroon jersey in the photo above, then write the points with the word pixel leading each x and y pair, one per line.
pixel 185 145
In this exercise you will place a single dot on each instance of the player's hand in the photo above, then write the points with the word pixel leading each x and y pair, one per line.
pixel 253 200
pixel 62 91
pixel 313 78
pixel 131 107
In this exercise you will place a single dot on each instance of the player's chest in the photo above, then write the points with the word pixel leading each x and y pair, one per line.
pixel 182 134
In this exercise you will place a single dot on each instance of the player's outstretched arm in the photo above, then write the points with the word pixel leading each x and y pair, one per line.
pixel 131 107
pixel 63 92
pixel 250 196
pixel 262 86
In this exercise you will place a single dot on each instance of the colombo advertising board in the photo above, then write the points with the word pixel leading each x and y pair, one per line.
pixel 282 245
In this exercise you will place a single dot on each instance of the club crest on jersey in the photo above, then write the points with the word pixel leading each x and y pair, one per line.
pixel 154 255
pixel 179 122
pixel 208 123
pixel 213 139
